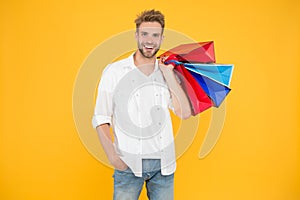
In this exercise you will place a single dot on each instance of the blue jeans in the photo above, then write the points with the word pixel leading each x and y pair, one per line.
pixel 128 187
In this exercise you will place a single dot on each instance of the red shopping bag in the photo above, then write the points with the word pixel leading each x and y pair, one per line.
pixel 201 52
pixel 196 95
pixel 199 100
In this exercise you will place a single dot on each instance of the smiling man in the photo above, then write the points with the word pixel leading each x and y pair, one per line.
pixel 134 97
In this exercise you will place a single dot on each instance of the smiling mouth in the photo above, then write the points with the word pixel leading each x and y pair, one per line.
pixel 148 47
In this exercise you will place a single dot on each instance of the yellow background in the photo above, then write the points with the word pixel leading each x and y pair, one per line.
pixel 44 43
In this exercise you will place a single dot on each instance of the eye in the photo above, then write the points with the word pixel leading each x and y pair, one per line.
pixel 144 33
pixel 156 35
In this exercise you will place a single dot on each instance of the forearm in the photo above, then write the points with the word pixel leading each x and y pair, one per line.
pixel 180 101
pixel 107 144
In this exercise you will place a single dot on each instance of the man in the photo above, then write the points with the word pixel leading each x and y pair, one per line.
pixel 134 96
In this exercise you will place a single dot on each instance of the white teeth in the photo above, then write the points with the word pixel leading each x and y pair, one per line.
pixel 148 47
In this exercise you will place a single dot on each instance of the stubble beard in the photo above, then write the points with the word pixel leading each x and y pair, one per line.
pixel 148 56
pixel 144 54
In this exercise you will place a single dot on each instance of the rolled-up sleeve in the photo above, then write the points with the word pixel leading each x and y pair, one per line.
pixel 104 104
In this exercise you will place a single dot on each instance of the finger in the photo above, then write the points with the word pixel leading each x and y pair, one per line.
pixel 164 58
pixel 161 60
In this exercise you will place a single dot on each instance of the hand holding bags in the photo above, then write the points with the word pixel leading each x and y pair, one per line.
pixel 206 83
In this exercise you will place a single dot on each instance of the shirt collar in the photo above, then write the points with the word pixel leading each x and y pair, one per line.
pixel 134 66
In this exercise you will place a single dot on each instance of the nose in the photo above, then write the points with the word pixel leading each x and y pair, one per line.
pixel 149 43
pixel 149 40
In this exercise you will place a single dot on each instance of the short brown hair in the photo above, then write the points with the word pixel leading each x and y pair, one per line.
pixel 150 16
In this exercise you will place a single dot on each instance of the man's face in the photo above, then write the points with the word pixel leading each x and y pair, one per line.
pixel 149 37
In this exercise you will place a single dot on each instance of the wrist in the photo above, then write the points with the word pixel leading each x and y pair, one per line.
pixel 169 76
pixel 167 72
pixel 112 158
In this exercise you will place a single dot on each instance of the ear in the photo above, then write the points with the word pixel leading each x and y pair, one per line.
pixel 162 38
pixel 136 35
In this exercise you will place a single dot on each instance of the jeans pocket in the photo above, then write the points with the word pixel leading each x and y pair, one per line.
pixel 123 178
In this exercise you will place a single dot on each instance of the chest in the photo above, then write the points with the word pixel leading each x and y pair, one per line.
pixel 136 87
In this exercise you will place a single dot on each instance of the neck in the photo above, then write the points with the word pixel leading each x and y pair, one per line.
pixel 140 60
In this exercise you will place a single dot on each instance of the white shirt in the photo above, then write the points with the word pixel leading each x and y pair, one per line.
pixel 137 107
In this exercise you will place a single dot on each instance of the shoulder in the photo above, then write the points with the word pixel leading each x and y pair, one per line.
pixel 119 66
pixel 115 71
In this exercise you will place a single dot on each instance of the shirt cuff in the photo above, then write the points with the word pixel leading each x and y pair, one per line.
pixel 100 119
